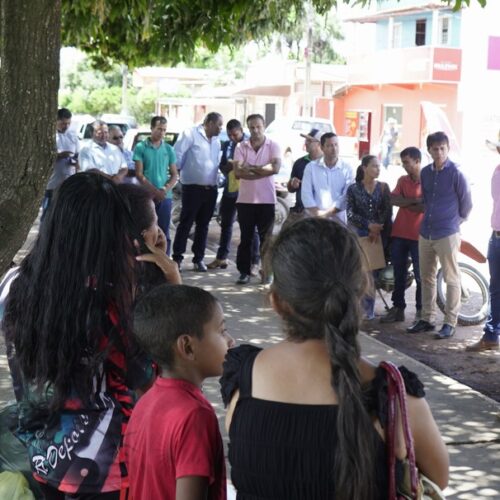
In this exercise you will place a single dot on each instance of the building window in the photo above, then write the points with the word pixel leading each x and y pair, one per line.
pixel 444 30
pixel 420 27
pixel 397 32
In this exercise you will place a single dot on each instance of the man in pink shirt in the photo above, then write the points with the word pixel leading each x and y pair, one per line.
pixel 256 162
pixel 490 339
pixel 407 195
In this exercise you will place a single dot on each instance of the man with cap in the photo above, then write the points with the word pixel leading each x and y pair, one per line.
pixel 314 152
pixel 490 339
pixel 325 181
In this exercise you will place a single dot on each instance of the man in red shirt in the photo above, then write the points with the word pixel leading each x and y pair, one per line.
pixel 408 197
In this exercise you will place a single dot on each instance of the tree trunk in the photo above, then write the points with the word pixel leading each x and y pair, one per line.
pixel 30 41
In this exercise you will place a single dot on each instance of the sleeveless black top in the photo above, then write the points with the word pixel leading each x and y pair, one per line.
pixel 286 451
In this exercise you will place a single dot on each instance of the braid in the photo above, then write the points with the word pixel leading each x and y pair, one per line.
pixel 318 273
pixel 354 470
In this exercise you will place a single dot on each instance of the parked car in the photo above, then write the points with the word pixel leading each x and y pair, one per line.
pixel 125 122
pixel 135 135
pixel 286 132
pixel 82 124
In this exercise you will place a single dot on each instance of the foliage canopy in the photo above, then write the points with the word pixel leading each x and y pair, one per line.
pixel 145 32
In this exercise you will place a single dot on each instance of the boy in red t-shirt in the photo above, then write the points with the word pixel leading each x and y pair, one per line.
pixel 173 445
pixel 407 195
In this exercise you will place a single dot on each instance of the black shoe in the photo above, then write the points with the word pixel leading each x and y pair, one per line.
pixel 446 332
pixel 179 265
pixel 421 326
pixel 243 279
pixel 394 315
pixel 199 267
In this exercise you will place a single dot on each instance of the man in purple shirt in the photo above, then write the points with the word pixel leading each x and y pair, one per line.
pixel 447 203
pixel 490 339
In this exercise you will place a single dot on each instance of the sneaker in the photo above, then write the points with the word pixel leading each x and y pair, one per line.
pixel 217 263
pixel 199 267
pixel 483 345
pixel 394 315
pixel 421 326
pixel 446 332
pixel 243 279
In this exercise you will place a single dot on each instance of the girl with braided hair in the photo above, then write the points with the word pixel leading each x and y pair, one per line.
pixel 305 416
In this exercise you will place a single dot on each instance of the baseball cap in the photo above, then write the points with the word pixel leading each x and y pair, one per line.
pixel 314 135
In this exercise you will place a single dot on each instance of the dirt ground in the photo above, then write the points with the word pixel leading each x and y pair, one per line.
pixel 481 371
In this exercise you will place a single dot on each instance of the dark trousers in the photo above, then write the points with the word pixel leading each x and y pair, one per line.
pixel 227 212
pixel 52 494
pixel 401 248
pixel 251 216
pixel 164 213
pixel 492 326
pixel 198 204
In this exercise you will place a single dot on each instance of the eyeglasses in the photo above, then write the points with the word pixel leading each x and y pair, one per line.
pixel 117 138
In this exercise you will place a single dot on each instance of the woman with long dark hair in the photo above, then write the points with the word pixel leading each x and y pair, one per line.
pixel 304 416
pixel 369 213
pixel 68 315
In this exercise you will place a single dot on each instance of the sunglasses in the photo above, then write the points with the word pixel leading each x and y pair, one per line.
pixel 117 138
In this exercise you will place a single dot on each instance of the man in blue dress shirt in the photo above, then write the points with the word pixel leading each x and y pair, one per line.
pixel 197 150
pixel 447 203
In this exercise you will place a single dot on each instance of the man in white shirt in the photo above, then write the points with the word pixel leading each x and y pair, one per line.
pixel 66 163
pixel 325 181
pixel 197 151
pixel 102 156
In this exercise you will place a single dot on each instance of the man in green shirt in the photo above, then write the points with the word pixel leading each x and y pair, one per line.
pixel 155 167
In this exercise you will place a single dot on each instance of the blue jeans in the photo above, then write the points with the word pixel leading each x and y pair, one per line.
pixel 164 213
pixel 492 326
pixel 401 248
pixel 46 202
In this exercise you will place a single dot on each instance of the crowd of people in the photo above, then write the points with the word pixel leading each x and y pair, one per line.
pixel 108 350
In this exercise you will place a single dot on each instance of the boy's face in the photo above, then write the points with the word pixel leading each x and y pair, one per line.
pixel 411 166
pixel 439 152
pixel 211 349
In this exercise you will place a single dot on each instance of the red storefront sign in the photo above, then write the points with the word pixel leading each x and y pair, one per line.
pixel 446 65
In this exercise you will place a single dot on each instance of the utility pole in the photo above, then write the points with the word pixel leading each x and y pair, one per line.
pixel 124 110
pixel 307 107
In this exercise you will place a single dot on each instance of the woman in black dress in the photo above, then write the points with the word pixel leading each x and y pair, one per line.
pixel 304 416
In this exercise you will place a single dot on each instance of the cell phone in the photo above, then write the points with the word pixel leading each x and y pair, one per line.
pixel 142 245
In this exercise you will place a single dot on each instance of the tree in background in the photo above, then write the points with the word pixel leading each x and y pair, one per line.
pixel 131 32
pixel 326 31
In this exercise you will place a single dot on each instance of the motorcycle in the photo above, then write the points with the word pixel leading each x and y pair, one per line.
pixel 474 295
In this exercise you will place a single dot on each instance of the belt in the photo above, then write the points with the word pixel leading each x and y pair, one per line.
pixel 201 186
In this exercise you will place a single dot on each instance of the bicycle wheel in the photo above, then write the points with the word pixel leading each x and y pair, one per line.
pixel 474 298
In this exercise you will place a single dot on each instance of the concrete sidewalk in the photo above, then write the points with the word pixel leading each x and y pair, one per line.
pixel 468 421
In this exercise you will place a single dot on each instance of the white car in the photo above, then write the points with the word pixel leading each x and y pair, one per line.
pixel 286 132
pixel 81 125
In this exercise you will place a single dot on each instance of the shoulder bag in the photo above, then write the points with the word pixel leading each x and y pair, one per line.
pixel 414 485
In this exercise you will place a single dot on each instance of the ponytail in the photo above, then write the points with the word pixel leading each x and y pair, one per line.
pixel 354 460
pixel 318 273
